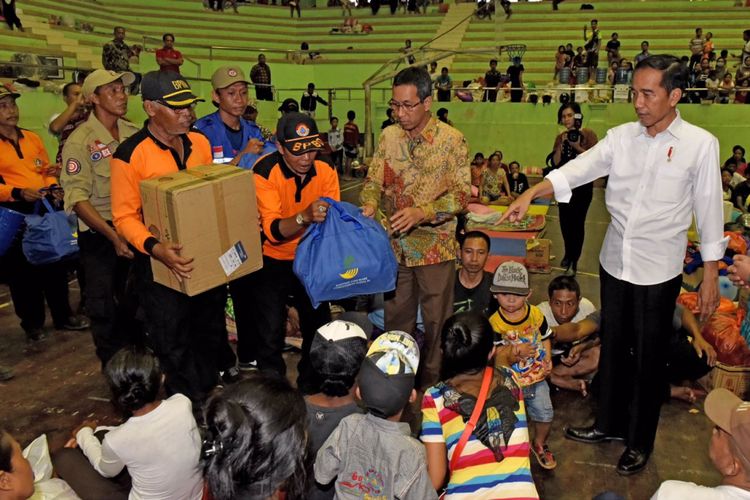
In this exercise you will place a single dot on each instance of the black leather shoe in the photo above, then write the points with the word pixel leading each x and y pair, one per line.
pixel 589 434
pixel 632 461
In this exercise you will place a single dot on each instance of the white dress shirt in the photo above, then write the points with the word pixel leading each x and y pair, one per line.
pixel 655 186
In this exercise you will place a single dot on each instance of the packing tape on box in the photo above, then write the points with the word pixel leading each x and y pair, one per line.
pixel 221 213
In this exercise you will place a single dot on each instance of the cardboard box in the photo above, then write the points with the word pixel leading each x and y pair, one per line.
pixel 537 256
pixel 211 211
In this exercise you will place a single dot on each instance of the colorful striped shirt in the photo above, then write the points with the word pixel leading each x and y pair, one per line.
pixel 495 466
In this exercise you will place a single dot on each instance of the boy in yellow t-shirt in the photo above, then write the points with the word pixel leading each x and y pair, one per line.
pixel 525 337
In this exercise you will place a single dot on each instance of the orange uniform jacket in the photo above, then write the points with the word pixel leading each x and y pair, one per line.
pixel 23 165
pixel 281 194
pixel 143 156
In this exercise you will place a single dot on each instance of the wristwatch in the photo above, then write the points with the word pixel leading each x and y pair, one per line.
pixel 299 219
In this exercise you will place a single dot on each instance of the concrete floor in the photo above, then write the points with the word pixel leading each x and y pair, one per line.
pixel 58 384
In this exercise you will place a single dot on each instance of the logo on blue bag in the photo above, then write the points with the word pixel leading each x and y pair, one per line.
pixel 351 271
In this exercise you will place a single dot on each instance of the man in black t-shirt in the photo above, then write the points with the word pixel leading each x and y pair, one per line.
pixel 472 289
pixel 515 73
pixel 492 80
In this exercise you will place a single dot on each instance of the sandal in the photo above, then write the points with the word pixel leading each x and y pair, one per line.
pixel 545 457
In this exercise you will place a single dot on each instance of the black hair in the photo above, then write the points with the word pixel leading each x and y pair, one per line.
pixel 333 118
pixel 6 451
pixel 66 88
pixel 478 155
pixel 674 74
pixel 493 61
pixel 560 47
pixel 442 112
pixel 351 115
pixel 724 53
pixel 466 341
pixel 563 282
pixel 511 164
pixel 165 35
pixel 389 113
pixel 114 30
pixel 646 42
pixel 698 29
pixel 615 33
pixel 746 33
pixel 595 21
pixel 304 46
pixel 498 154
pixel 724 169
pixel 736 147
pixel 568 105
pixel 476 235
pixel 337 366
pixel 256 441
pixel 418 77
pixel 433 63
pixel 311 84
pixel 134 377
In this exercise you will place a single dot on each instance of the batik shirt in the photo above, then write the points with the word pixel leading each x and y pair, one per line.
pixel 116 56
pixel 431 172
pixel 494 463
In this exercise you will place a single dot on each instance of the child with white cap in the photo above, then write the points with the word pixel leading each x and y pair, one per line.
pixel 336 354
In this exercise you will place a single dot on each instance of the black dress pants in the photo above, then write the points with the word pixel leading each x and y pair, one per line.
pixel 9 13
pixel 263 92
pixel 636 330
pixel 271 288
pixel 111 303
pixel 30 285
pixel 187 334
pixel 573 220
pixel 245 316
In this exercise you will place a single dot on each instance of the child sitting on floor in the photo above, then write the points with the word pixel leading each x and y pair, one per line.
pixel 525 336
pixel 375 452
pixel 336 354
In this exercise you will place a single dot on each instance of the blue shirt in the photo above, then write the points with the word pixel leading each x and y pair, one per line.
pixel 221 145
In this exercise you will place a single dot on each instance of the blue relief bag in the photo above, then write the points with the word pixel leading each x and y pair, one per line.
pixel 346 255
pixel 48 238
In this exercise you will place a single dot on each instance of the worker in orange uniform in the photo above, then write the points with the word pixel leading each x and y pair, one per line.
pixel 24 171
pixel 184 332
pixel 289 184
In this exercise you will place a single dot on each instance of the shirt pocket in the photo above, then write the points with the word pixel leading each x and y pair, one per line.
pixel 671 185
pixel 102 173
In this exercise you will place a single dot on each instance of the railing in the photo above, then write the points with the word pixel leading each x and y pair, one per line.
pixel 212 48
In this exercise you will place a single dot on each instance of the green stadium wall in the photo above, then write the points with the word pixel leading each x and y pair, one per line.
pixel 524 132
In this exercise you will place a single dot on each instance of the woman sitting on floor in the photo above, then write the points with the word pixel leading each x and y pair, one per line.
pixel 494 463
pixel 495 188
pixel 159 443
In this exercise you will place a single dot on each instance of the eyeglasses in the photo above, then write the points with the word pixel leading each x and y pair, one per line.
pixel 397 106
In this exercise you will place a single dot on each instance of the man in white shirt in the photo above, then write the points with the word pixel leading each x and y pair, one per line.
pixel 566 305
pixel 728 450
pixel 662 170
